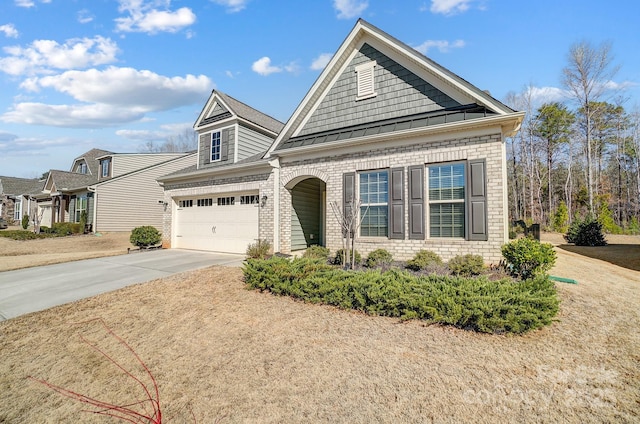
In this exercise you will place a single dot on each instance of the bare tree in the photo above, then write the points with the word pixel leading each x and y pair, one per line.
pixel 184 141
pixel 350 221
pixel 586 75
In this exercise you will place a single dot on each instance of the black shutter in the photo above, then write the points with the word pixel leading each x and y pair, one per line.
pixel 416 203
pixel 396 204
pixel 477 209
pixel 224 145
pixel 205 147
pixel 348 192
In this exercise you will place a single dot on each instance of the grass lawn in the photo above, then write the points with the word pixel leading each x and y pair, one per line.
pixel 230 354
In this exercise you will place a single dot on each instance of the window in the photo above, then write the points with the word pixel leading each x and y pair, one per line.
pixel 17 212
pixel 365 76
pixel 104 166
pixel 185 203
pixel 205 202
pixel 374 195
pixel 253 199
pixel 447 200
pixel 82 168
pixel 215 146
pixel 81 206
pixel 226 201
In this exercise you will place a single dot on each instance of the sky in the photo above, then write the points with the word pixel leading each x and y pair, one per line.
pixel 116 74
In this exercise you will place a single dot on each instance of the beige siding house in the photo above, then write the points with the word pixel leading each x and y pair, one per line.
pixel 113 191
pixel 412 150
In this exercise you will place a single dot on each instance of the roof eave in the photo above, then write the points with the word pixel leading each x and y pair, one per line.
pixel 509 124
pixel 232 169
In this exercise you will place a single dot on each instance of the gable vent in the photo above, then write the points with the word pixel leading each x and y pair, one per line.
pixel 365 74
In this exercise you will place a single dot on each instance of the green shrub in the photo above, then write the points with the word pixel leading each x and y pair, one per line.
pixel 472 303
pixel 339 256
pixel 527 257
pixel 83 220
pixel 379 257
pixel 560 218
pixel 586 232
pixel 45 229
pixel 319 252
pixel 144 236
pixel 259 250
pixel 24 235
pixel 512 234
pixel 423 259
pixel 466 265
pixel 65 228
pixel 25 221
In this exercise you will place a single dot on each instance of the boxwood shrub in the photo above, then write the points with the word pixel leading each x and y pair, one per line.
pixel 470 303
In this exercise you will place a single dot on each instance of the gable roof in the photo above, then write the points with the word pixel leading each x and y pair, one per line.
pixel 90 159
pixel 449 94
pixel 221 106
pixel 14 186
pixel 67 181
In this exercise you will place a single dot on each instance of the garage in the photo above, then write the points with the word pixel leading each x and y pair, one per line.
pixel 218 223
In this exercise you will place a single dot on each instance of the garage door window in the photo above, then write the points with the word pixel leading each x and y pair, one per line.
pixel 226 201
pixel 253 199
pixel 205 202
pixel 185 203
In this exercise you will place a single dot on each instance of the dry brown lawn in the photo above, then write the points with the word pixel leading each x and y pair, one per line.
pixel 16 254
pixel 239 356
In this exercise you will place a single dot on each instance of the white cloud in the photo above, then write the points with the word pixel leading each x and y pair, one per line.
pixel 145 17
pixel 450 7
pixel 43 56
pixel 232 5
pixel 109 97
pixel 263 66
pixel 29 3
pixel 165 131
pixel 541 95
pixel 9 30
pixel 84 16
pixel 442 45
pixel 320 62
pixel 348 9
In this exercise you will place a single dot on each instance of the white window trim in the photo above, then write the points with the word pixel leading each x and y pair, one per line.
pixel 104 162
pixel 78 211
pixel 430 202
pixel 211 159
pixel 365 80
pixel 369 205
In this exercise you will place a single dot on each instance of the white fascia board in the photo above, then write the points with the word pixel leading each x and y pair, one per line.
pixel 211 98
pixel 506 125
pixel 231 170
pixel 210 127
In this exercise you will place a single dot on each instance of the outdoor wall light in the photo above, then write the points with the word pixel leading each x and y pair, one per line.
pixel 263 201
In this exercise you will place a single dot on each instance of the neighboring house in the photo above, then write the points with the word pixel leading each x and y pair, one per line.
pixel 420 147
pixel 116 191
pixel 17 197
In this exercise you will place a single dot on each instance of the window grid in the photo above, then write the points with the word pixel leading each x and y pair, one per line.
pixel 105 167
pixel 252 199
pixel 374 209
pixel 185 203
pixel 226 201
pixel 81 205
pixel 447 200
pixel 205 202
pixel 215 146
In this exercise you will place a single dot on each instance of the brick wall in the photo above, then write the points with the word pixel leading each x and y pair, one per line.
pixel 489 147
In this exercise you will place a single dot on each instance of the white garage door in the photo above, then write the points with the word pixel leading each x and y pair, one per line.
pixel 219 223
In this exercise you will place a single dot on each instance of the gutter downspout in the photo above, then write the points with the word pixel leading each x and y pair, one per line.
pixel 94 190
pixel 275 164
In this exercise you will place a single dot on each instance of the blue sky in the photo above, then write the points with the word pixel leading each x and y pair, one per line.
pixel 114 74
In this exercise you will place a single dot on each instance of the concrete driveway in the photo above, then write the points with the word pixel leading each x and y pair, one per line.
pixel 35 289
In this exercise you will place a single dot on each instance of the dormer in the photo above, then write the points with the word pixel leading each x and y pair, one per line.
pixel 105 168
pixel 80 166
pixel 229 131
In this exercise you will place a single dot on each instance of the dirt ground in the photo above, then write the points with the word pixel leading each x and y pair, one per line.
pixel 16 254
pixel 223 354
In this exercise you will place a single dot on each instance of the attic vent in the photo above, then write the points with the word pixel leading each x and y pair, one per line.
pixel 366 81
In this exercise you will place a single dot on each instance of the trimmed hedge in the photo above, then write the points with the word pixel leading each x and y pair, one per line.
pixel 25 235
pixel 470 303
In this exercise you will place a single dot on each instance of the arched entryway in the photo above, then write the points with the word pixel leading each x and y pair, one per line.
pixel 308 213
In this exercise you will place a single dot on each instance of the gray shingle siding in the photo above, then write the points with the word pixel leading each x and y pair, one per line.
pixel 251 142
pixel 399 93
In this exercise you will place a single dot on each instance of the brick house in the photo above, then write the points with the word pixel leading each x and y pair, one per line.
pixel 422 149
